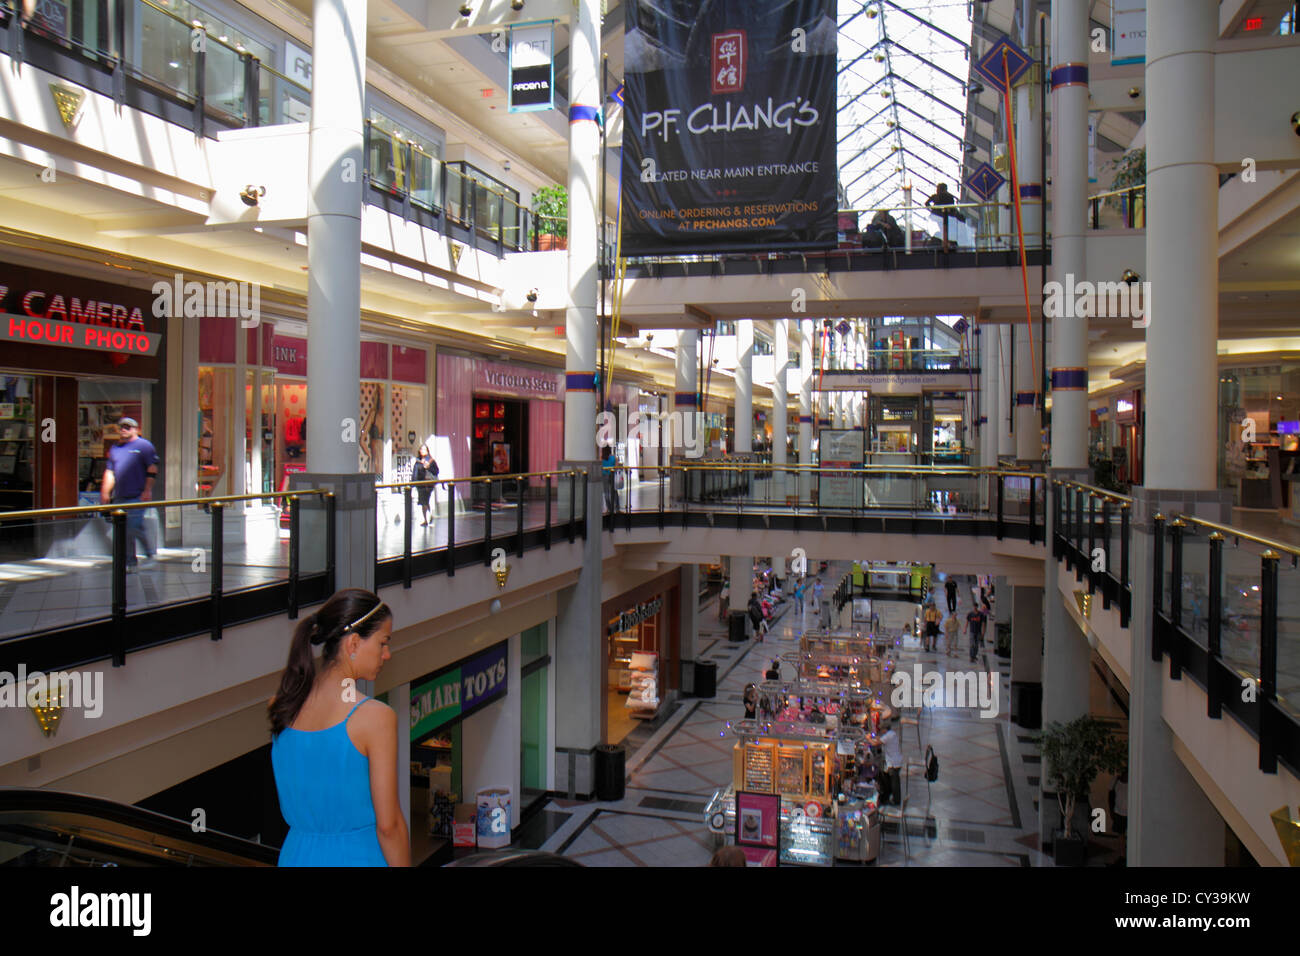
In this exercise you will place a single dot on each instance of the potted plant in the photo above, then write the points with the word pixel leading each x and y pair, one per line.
pixel 1003 646
pixel 551 217
pixel 1130 171
pixel 1075 753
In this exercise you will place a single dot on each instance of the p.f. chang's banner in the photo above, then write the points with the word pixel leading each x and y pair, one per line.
pixel 729 126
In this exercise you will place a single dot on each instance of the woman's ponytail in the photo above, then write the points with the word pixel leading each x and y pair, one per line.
pixel 352 610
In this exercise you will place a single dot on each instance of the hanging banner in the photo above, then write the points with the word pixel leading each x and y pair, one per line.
pixel 729 140
pixel 1128 32
pixel 532 68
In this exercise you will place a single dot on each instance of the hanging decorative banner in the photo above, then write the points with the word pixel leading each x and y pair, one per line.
pixel 985 181
pixel 532 68
pixel 990 64
pixel 729 141
pixel 1128 32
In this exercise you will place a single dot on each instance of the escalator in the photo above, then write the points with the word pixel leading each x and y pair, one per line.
pixel 54 828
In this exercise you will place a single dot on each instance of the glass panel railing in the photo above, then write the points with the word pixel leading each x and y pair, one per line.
pixel 1241 608
pixel 164 50
pixel 1288 637
pixel 281 100
pixel 426 179
pixel 223 80
pixel 56 572
pixel 1194 589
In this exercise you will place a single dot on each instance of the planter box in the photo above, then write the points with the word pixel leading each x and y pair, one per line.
pixel 548 242
pixel 1068 852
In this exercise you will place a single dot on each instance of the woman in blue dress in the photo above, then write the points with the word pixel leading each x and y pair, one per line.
pixel 334 753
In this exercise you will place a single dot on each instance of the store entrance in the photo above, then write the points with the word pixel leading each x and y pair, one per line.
pixel 499 443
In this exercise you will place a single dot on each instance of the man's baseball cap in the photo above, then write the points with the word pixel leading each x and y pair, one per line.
pixel 127 422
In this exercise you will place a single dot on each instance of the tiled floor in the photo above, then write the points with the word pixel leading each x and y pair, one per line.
pixel 979 813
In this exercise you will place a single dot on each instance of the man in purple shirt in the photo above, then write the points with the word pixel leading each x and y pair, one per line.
pixel 128 477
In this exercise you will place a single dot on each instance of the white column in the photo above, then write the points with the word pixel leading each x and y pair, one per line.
pixel 1029 440
pixel 1029 150
pixel 584 173
pixel 780 426
pixel 805 408
pixel 1070 44
pixel 334 167
pixel 1004 358
pixel 686 397
pixel 744 386
pixel 1182 245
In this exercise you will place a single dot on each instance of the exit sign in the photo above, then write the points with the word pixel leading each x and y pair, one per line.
pixel 1253 23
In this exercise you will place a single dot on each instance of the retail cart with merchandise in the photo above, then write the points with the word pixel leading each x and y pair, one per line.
pixel 814 701
pixel 809 766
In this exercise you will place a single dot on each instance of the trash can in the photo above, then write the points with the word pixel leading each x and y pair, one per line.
pixel 610 784
pixel 736 626
pixel 706 678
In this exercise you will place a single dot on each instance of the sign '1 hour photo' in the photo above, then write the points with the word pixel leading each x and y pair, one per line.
pixel 729 126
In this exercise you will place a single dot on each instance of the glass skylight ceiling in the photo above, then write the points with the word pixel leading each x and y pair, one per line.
pixel 902 99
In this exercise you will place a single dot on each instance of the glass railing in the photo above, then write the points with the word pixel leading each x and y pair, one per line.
pixel 752 490
pixel 1224 605
pixel 83 576
pixel 1118 209
pixel 280 100
pixel 426 527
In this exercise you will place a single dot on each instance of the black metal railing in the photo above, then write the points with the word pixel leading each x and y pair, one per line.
pixel 465 529
pixel 1226 612
pixel 120 603
pixel 1094 537
pixel 909 499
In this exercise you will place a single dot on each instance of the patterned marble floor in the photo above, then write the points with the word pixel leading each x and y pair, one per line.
pixel 981 811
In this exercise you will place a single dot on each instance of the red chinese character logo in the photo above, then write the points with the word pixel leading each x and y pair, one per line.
pixel 729 61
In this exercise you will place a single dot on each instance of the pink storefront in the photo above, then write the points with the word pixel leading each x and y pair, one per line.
pixel 499 418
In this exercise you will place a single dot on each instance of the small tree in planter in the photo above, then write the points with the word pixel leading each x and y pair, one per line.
pixel 1130 171
pixel 1075 754
pixel 551 217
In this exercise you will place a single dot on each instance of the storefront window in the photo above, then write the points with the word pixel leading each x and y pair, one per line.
pixel 216 432
pixel 17 441
pixel 395 167
pixel 100 406
pixel 371 438
pixel 408 427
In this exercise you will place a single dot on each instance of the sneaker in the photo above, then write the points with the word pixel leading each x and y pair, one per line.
pixel 149 563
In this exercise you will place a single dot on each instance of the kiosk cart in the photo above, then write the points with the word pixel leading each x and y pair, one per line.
pixel 805 764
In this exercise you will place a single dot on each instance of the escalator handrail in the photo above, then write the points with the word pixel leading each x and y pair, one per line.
pixel 173 833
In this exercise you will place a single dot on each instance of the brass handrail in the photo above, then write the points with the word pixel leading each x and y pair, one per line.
pixel 1141 187
pixel 1228 530
pixel 159 503
pixel 451 481
pixel 920 470
pixel 1093 490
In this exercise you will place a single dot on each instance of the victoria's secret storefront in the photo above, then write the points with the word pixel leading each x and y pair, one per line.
pixel 78 355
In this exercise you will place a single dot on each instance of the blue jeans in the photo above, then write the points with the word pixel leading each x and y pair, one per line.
pixel 976 638
pixel 135 531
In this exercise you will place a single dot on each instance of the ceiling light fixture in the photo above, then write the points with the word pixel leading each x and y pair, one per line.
pixel 250 194
pixel 516 5
pixel 466 10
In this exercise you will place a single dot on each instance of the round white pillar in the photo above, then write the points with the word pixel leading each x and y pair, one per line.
pixel 584 175
pixel 1070 47
pixel 1182 246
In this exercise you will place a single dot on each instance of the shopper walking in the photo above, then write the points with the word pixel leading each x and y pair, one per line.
pixel 951 630
pixel 932 619
pixel 818 588
pixel 334 754
pixel 129 477
pixel 892 791
pixel 950 586
pixel 426 469
pixel 975 628
pixel 756 615
pixel 609 466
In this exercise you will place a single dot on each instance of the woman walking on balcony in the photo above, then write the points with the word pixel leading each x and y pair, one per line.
pixel 426 469
pixel 334 754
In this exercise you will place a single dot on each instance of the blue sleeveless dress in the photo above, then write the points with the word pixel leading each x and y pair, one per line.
pixel 324 787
